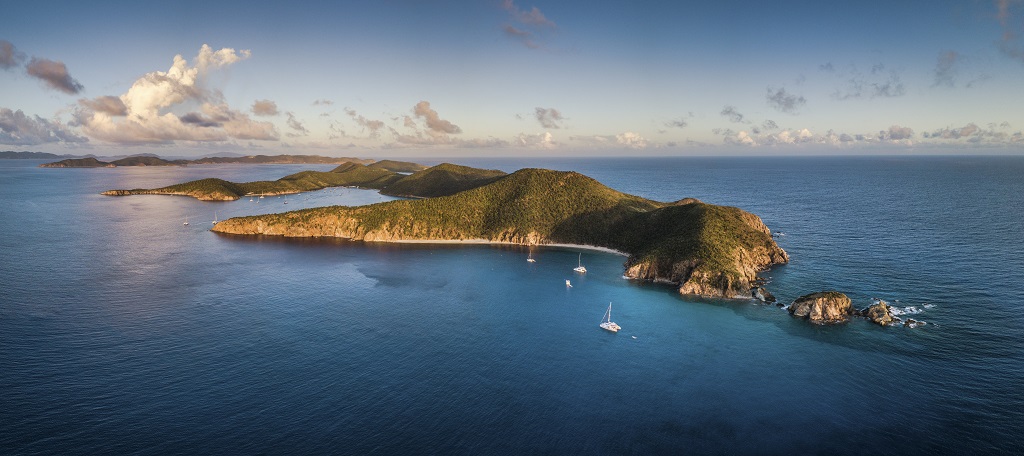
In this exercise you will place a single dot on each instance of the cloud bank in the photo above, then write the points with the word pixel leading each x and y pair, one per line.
pixel 17 129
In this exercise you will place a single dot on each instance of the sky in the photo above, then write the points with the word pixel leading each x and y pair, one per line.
pixel 513 77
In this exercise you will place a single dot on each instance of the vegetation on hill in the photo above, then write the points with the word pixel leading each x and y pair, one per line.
pixel 88 162
pixel 140 160
pixel 397 166
pixel 440 180
pixel 705 249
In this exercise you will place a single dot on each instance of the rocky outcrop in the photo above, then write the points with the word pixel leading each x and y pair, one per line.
pixel 762 294
pixel 827 307
pixel 879 313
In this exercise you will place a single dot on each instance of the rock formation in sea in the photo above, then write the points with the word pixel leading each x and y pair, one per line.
pixel 826 307
pixel 879 313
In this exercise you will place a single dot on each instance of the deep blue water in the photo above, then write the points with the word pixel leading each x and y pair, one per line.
pixel 122 330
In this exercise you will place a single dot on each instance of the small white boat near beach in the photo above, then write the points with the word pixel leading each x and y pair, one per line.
pixel 568 284
pixel 580 269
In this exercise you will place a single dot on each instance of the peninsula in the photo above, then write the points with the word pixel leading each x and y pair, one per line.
pixel 703 249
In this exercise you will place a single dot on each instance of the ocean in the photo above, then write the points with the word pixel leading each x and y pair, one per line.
pixel 124 331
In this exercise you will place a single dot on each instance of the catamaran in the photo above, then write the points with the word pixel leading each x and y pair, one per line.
pixel 580 269
pixel 607 323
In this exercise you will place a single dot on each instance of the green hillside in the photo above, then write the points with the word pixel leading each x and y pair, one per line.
pixel 441 180
pixel 397 166
pixel 706 249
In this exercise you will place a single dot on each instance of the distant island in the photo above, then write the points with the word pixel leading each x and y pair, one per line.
pixel 703 249
pixel 151 160
pixel 381 175
pixel 24 155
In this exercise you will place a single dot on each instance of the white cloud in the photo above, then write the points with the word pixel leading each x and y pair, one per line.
pixel 542 140
pixel 151 103
pixel 631 140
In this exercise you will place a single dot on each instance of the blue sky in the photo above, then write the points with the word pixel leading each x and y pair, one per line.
pixel 501 77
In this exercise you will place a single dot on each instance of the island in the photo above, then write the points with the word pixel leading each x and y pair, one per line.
pixel 701 249
pixel 388 176
pixel 152 160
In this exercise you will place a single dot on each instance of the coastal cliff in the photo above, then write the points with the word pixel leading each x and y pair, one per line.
pixel 703 249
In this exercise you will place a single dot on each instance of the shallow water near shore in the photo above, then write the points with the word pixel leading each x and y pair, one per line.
pixel 123 330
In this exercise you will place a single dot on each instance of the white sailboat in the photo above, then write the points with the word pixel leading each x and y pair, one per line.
pixel 214 218
pixel 580 269
pixel 530 259
pixel 568 284
pixel 186 220
pixel 607 323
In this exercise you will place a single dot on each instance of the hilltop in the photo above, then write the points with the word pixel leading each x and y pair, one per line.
pixel 704 249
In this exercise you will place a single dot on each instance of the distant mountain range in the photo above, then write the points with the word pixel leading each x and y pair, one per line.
pixel 153 160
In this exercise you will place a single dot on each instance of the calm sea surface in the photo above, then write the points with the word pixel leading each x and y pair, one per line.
pixel 124 331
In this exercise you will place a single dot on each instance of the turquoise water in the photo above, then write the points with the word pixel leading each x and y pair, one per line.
pixel 122 330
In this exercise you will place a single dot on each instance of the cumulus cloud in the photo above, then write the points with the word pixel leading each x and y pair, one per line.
pixel 294 124
pixel 264 108
pixel 54 75
pixel 784 101
pixel 18 129
pixel 732 114
pixel 769 125
pixel 543 140
pixel 631 140
pixel 9 56
pixel 896 133
pixel 434 122
pixel 109 105
pixel 432 131
pixel 548 118
pixel 149 106
pixel 992 134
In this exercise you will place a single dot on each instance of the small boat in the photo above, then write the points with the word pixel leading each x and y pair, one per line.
pixel 186 220
pixel 568 284
pixel 580 269
pixel 530 259
pixel 607 323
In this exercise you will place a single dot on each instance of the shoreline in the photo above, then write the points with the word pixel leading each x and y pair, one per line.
pixel 487 242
